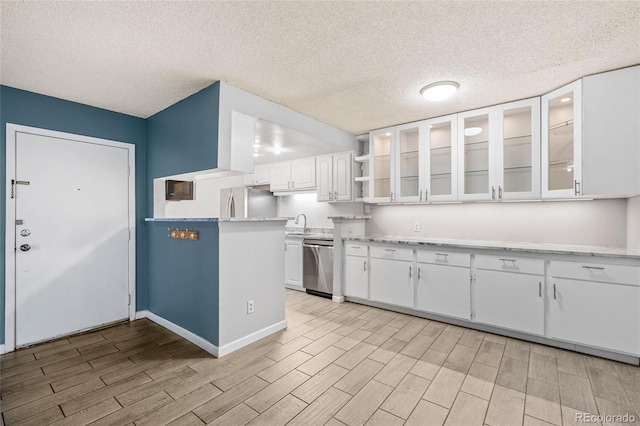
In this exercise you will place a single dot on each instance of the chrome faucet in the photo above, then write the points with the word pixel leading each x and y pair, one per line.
pixel 304 230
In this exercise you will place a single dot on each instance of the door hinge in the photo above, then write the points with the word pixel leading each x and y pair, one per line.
pixel 129 300
pixel 128 170
pixel 129 230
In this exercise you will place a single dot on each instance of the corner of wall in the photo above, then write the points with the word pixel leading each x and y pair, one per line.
pixel 633 224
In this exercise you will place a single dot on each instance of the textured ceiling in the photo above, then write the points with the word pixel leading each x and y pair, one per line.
pixel 355 65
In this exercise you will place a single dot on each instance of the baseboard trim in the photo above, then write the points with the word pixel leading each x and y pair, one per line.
pixel 244 341
pixel 141 314
pixel 193 338
pixel 1 349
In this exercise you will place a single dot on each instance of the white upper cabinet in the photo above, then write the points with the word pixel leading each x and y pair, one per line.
pixel 562 142
pixel 518 150
pixel 303 173
pixel 324 178
pixel 382 143
pixel 440 158
pixel 407 162
pixel 261 174
pixel 293 175
pixel 334 177
pixel 476 154
pixel 280 179
pixel 611 133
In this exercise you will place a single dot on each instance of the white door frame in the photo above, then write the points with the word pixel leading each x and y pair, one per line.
pixel 10 229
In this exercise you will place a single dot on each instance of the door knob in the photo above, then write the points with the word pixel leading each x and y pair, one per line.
pixel 25 232
pixel 25 247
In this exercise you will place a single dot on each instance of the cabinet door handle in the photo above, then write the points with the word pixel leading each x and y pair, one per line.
pixel 330 195
pixel 364 266
pixel 509 260
pixel 554 292
pixel 442 254
pixel 500 192
pixel 576 185
pixel 410 271
pixel 599 268
pixel 392 196
pixel 389 249
pixel 419 273
pixel 540 289
pixel 421 195
pixel 426 194
pixel 493 192
pixel 335 195
pixel 293 185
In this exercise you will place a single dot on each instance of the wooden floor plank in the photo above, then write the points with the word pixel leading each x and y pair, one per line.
pixel 336 364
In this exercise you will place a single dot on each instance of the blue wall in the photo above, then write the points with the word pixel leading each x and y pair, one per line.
pixel 183 277
pixel 183 138
pixel 32 109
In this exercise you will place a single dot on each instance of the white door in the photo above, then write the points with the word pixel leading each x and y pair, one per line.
pixel 293 263
pixel 303 173
pixel 72 236
pixel 324 169
pixel 444 290
pixel 613 324
pixel 510 300
pixel 280 176
pixel 392 282
pixel 342 179
pixel 355 277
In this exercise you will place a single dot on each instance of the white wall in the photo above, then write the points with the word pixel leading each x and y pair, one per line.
pixel 206 202
pixel 633 224
pixel 292 205
pixel 593 223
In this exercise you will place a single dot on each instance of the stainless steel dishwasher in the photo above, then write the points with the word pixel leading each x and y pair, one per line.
pixel 318 267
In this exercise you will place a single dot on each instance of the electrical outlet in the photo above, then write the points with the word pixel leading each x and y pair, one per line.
pixel 416 227
pixel 250 307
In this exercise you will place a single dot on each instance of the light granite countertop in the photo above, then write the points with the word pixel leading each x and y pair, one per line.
pixel 217 219
pixel 563 249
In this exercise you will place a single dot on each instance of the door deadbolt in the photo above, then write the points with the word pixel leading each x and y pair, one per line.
pixel 25 247
pixel 25 232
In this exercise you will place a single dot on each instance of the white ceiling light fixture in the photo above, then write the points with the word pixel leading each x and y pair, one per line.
pixel 472 131
pixel 439 90
pixel 565 99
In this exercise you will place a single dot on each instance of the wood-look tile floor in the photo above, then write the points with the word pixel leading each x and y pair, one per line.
pixel 335 364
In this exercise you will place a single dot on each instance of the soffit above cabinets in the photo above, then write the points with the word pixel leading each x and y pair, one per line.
pixel 279 143
pixel 357 66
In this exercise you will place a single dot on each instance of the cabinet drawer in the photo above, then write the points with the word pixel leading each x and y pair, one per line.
pixel 397 253
pixel 510 264
pixel 619 274
pixel 444 258
pixel 355 249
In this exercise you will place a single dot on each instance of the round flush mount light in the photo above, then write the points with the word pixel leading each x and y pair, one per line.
pixel 565 99
pixel 472 131
pixel 439 90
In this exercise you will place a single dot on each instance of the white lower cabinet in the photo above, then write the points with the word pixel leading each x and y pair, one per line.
pixel 392 276
pixel 444 284
pixel 356 277
pixel 293 263
pixel 510 300
pixel 600 314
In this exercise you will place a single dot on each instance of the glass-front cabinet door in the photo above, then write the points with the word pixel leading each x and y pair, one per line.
pixel 407 162
pixel 440 179
pixel 518 150
pixel 562 142
pixel 382 144
pixel 476 157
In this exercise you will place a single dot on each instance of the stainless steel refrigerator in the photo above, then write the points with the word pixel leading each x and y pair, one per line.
pixel 247 202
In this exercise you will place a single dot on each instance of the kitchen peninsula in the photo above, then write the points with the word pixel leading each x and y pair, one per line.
pixel 205 288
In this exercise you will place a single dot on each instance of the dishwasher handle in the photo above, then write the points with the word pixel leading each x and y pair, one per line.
pixel 316 246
